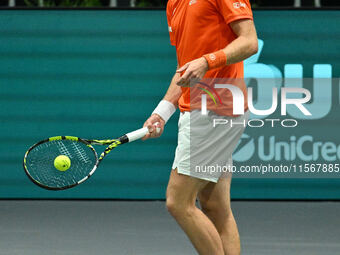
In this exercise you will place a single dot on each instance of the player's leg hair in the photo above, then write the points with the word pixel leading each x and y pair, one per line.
pixel 215 202
pixel 180 201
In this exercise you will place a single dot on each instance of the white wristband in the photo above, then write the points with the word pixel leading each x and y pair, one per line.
pixel 165 109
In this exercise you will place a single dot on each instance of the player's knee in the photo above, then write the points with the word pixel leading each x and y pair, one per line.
pixel 214 208
pixel 171 206
pixel 174 207
pixel 208 206
pixel 177 208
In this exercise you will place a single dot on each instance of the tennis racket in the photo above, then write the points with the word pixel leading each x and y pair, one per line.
pixel 39 159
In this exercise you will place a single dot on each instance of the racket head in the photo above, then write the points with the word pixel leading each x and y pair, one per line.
pixel 38 162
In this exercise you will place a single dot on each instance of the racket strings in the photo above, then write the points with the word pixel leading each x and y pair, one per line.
pixel 81 153
pixel 63 149
pixel 40 163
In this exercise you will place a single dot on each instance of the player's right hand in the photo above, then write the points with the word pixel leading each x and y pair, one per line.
pixel 153 127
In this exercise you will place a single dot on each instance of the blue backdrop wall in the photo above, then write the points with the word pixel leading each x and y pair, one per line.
pixel 98 74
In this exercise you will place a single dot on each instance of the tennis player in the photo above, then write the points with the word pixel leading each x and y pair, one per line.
pixel 212 38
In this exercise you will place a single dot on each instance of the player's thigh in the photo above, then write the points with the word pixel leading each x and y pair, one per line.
pixel 216 196
pixel 183 189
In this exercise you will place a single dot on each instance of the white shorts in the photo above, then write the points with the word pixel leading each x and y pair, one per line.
pixel 206 143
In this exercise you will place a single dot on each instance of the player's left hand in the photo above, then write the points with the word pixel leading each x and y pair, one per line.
pixel 193 72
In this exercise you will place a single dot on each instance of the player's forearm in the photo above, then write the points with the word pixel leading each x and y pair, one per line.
pixel 167 107
pixel 174 91
pixel 240 49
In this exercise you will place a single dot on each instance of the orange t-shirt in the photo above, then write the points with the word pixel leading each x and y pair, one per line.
pixel 199 27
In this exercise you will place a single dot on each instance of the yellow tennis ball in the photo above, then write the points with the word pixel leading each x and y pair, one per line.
pixel 62 163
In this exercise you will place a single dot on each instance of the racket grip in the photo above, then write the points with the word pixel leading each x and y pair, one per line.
pixel 140 133
pixel 137 134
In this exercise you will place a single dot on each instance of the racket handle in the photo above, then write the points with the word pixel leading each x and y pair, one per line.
pixel 137 134
pixel 140 133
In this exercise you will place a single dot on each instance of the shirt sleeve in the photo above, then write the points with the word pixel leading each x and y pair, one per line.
pixel 232 10
pixel 169 16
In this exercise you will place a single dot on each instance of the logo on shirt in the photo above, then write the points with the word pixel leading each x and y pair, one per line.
pixel 174 11
pixel 170 29
pixel 192 2
pixel 238 5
